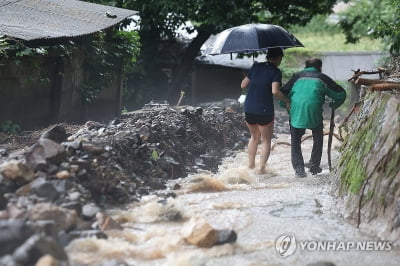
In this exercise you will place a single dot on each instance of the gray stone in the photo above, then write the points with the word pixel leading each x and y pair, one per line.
pixel 13 233
pixel 3 202
pixel 225 236
pixel 73 205
pixel 93 148
pixel 37 246
pixel 88 233
pixel 64 219
pixel 56 133
pixel 45 189
pixel 89 211
pixel 321 263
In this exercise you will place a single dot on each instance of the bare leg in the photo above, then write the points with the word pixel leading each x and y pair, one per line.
pixel 266 136
pixel 253 143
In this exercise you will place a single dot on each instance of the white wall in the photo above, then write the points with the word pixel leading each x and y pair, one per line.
pixel 338 65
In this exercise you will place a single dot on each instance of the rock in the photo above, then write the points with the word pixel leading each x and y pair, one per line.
pixel 44 189
pixel 24 190
pixel 7 185
pixel 53 151
pixel 73 205
pixel 3 202
pixel 8 260
pixel 35 158
pixel 144 132
pixel 37 246
pixel 225 236
pixel 88 233
pixel 44 151
pixel 44 227
pixel 3 151
pixel 199 233
pixel 15 212
pixel 89 211
pixel 13 233
pixel 94 125
pixel 62 186
pixel 64 219
pixel 105 222
pixel 64 174
pixel 93 148
pixel 17 171
pixel 321 263
pixel 73 196
pixel 56 133
pixel 72 146
pixel 65 238
pixel 47 260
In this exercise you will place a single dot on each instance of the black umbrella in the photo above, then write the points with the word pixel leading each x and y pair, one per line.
pixel 250 38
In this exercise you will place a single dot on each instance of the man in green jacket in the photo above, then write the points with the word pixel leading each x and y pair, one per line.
pixel 306 91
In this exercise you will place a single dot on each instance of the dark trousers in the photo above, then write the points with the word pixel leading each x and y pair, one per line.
pixel 297 156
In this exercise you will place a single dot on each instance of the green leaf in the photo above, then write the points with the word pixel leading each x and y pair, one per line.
pixel 154 155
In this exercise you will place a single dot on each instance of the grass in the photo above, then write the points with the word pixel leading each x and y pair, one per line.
pixel 316 43
pixel 336 43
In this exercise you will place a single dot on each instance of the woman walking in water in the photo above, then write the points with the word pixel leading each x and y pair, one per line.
pixel 263 82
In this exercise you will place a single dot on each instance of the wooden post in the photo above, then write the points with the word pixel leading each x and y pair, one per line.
pixel 56 91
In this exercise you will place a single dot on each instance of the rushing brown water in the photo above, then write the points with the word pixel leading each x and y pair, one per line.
pixel 260 208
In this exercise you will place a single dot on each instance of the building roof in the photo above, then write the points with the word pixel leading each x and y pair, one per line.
pixel 52 19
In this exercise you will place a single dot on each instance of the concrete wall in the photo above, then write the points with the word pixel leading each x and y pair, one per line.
pixel 218 77
pixel 214 83
pixel 35 96
pixel 24 93
pixel 339 65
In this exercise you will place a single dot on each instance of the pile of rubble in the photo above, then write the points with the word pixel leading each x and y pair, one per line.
pixel 51 191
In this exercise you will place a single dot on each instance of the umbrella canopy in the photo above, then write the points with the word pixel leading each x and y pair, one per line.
pixel 251 38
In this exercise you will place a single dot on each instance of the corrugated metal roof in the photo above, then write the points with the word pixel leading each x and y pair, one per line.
pixel 50 19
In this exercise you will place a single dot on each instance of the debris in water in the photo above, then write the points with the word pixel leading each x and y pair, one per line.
pixel 197 231
pixel 206 183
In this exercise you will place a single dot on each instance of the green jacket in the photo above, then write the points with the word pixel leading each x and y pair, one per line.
pixel 306 91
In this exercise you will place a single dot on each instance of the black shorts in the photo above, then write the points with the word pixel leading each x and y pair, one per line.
pixel 262 120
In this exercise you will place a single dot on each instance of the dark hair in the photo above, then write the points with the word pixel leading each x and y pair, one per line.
pixel 314 62
pixel 274 52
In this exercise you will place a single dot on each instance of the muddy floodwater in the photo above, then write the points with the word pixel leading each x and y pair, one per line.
pixel 279 220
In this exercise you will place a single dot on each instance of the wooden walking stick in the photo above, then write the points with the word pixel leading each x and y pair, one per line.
pixel 331 127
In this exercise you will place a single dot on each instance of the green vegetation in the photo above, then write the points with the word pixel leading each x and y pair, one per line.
pixel 159 20
pixel 325 42
pixel 321 35
pixel 154 155
pixel 357 146
pixel 9 127
pixel 374 18
pixel 104 53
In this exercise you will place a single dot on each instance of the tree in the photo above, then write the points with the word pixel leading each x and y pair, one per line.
pixel 159 20
pixel 212 16
pixel 389 27
pixel 374 18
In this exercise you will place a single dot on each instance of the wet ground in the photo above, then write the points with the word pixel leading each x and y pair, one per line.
pixel 262 209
